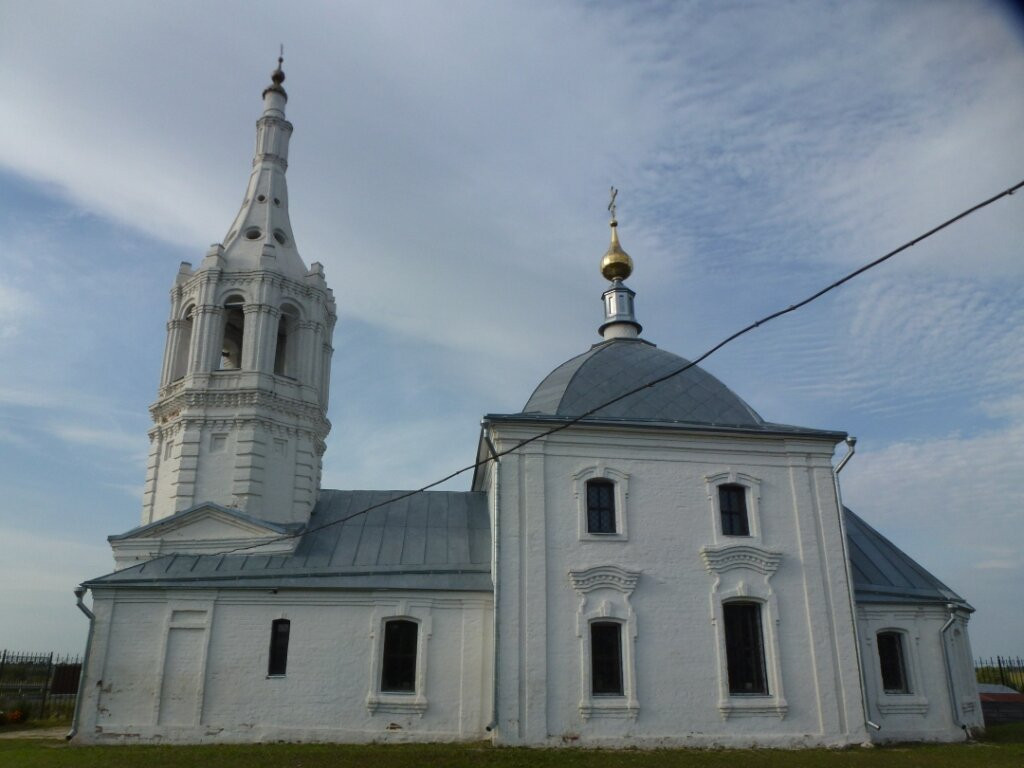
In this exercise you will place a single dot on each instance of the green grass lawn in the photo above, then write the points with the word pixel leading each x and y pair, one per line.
pixel 1002 746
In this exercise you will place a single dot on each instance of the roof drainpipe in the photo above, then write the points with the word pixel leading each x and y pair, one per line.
pixel 851 446
pixel 490 727
pixel 79 594
pixel 950 679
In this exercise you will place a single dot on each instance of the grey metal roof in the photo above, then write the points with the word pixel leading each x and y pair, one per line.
pixel 883 573
pixel 431 540
pixel 612 368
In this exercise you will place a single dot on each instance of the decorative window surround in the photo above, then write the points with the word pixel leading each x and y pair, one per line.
pixel 621 482
pixel 718 560
pixel 604 576
pixel 414 703
pixel 902 704
pixel 753 488
pixel 911 703
pixel 742 572
pixel 604 592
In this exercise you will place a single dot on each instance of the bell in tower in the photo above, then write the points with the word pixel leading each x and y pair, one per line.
pixel 240 418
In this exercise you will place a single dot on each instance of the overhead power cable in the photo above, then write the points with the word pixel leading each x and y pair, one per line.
pixel 647 385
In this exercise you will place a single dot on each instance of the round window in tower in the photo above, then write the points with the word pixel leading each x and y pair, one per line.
pixel 253 233
pixel 280 236
pixel 261 198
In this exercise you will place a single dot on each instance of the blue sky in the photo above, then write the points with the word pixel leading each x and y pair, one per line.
pixel 450 168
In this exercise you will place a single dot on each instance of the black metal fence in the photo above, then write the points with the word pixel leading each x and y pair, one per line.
pixel 37 685
pixel 1002 670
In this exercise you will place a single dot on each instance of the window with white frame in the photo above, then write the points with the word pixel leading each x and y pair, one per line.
pixel 732 508
pixel 745 618
pixel 744 649
pixel 600 506
pixel 280 630
pixel 734 505
pixel 606 658
pixel 398 663
pixel 892 661
pixel 398 660
pixel 602 494
pixel 894 683
pixel 606 628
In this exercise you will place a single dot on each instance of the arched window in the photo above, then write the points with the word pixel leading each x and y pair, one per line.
pixel 892 660
pixel 744 648
pixel 234 333
pixel 732 504
pixel 600 506
pixel 606 658
pixel 280 629
pixel 285 363
pixel 398 664
pixel 179 368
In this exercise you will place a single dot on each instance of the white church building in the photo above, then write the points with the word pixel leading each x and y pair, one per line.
pixel 663 568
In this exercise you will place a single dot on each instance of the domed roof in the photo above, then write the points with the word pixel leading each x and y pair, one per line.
pixel 614 367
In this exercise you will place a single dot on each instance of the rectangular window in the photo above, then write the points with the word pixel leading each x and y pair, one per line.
pixel 891 659
pixel 398 667
pixel 600 506
pixel 606 658
pixel 744 648
pixel 732 503
pixel 279 631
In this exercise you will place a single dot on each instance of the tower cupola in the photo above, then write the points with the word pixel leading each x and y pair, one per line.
pixel 619 319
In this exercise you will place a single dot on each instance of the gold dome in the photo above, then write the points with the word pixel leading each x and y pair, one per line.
pixel 616 263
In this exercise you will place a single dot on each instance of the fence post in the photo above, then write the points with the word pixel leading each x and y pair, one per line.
pixel 3 663
pixel 46 686
pixel 999 661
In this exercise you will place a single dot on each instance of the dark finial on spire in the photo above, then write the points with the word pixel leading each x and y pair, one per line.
pixel 611 204
pixel 277 76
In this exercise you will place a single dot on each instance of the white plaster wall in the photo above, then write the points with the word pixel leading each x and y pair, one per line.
pixel 931 710
pixel 190 666
pixel 814 695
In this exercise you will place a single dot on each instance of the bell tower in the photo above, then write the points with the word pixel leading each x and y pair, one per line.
pixel 240 418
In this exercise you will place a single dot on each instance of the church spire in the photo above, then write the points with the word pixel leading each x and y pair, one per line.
pixel 619 320
pixel 261 235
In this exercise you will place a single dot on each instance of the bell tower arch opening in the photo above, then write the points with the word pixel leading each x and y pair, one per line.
pixel 234 333
pixel 286 351
pixel 179 365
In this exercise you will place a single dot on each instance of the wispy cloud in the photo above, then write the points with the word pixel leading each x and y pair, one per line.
pixel 109 438
pixel 953 503
pixel 16 306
